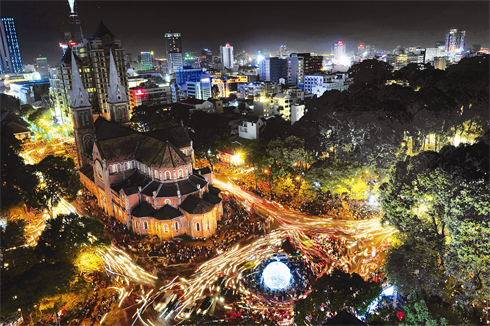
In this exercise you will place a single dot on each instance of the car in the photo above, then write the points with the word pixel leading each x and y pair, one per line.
pixel 205 305
pixel 160 304
pixel 187 311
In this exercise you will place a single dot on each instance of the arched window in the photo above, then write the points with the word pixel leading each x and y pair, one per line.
pixel 209 225
pixel 198 227
pixel 167 175
pixel 165 227
pixel 118 167
pixel 186 170
pixel 155 173
pixel 181 174
pixel 167 201
pixel 176 226
pixel 149 171
pixel 130 165
pixel 145 225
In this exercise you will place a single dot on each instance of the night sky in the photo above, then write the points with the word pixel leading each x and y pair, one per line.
pixel 250 25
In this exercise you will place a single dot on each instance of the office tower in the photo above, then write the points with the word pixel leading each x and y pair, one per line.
pixel 10 61
pixel 147 59
pixel 455 41
pixel 173 42
pixel 95 64
pixel 42 67
pixel 340 53
pixel 227 56
pixel 272 69
pixel 296 69
pixel 71 31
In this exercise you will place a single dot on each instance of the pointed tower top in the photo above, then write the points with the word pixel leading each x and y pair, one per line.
pixel 72 5
pixel 101 31
pixel 116 92
pixel 78 94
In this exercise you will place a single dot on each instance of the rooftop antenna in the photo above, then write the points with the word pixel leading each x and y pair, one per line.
pixel 72 5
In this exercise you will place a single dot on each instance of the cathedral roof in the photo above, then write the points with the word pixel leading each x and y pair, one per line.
pixel 167 212
pixel 176 135
pixel 102 31
pixel 196 205
pixel 209 197
pixel 131 184
pixel 116 149
pixel 144 209
pixel 156 153
pixel 107 129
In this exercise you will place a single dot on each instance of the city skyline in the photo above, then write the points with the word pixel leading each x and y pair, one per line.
pixel 250 26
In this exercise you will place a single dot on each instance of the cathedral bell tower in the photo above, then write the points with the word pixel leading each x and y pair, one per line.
pixel 118 102
pixel 81 111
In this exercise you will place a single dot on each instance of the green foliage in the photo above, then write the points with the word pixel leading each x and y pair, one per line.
pixel 16 179
pixel 337 178
pixel 49 269
pixel 59 181
pixel 13 234
pixel 440 204
pixel 340 291
pixel 371 71
pixel 154 117
pixel 424 310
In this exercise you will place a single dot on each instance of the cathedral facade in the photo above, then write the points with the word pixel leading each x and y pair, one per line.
pixel 145 180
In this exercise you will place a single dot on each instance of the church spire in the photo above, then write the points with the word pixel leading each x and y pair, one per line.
pixel 78 93
pixel 116 92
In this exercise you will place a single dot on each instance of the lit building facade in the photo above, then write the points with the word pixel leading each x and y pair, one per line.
pixel 340 53
pixel 227 56
pixel 42 67
pixel 147 60
pixel 10 60
pixel 455 43
pixel 71 31
pixel 95 64
pixel 173 42
pixel 150 94
pixel 272 69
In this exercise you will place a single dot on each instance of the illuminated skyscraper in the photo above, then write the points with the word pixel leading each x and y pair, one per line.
pixel 42 67
pixel 10 61
pixel 227 56
pixel 71 32
pixel 340 53
pixel 174 50
pixel 455 41
pixel 147 59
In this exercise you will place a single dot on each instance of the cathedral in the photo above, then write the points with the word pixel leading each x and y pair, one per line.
pixel 145 180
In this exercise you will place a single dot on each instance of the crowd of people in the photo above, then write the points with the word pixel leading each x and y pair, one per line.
pixel 333 246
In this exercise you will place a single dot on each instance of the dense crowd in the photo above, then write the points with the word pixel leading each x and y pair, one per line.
pixel 333 246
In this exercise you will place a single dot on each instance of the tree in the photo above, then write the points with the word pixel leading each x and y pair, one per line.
pixel 50 267
pixel 13 234
pixel 440 203
pixel 58 181
pixel 422 309
pixel 17 181
pixel 340 291
pixel 371 71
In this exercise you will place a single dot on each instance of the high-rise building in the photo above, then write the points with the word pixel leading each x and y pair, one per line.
pixel 455 43
pixel 147 60
pixel 227 56
pixel 173 42
pixel 42 67
pixel 272 69
pixel 94 63
pixel 340 53
pixel 71 31
pixel 10 61
pixel 296 69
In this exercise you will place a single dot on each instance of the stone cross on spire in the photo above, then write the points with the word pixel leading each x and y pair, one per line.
pixel 78 94
pixel 115 90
